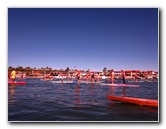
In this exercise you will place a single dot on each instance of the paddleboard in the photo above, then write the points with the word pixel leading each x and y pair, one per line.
pixel 127 85
pixel 63 82
pixel 17 83
pixel 136 81
pixel 88 82
pixel 46 79
pixel 140 101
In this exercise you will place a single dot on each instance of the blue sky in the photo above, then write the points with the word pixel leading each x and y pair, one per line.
pixel 88 38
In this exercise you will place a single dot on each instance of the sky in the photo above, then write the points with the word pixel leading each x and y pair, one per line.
pixel 85 38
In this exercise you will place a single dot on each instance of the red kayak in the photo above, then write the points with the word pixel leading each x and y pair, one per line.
pixel 17 83
pixel 140 101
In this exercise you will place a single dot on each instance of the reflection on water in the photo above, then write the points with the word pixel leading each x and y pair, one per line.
pixel 11 93
pixel 77 96
pixel 124 91
pixel 45 101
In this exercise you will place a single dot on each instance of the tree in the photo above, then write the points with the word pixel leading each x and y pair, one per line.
pixel 28 68
pixel 105 70
pixel 10 68
pixel 20 68
pixel 88 70
pixel 67 69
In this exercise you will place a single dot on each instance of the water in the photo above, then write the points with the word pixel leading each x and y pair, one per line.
pixel 45 101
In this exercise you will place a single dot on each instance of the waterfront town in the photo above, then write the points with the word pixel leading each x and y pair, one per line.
pixel 29 72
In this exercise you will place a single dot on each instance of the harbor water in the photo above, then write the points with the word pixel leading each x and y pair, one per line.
pixel 40 100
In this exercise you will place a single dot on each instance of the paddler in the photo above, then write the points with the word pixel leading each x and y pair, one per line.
pixel 13 75
pixel 87 76
pixel 112 76
pixel 123 75
pixel 92 76
pixel 68 76
pixel 78 77
pixel 61 75
pixel 97 76
pixel 9 75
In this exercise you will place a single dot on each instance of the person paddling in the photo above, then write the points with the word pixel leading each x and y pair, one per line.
pixel 13 75
pixel 92 77
pixel 9 76
pixel 123 75
pixel 68 76
pixel 97 76
pixel 61 75
pixel 112 76
pixel 78 77
pixel 87 76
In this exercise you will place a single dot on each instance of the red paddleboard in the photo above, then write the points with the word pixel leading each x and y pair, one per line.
pixel 140 101
pixel 17 83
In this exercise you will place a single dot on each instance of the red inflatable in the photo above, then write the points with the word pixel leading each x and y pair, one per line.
pixel 140 101
pixel 17 83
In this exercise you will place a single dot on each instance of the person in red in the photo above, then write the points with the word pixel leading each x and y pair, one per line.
pixel 87 77
pixel 97 76
pixel 9 74
pixel 21 75
pixel 61 75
